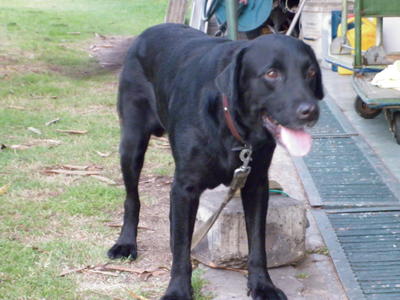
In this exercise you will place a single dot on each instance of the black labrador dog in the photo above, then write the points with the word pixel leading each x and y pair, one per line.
pixel 173 80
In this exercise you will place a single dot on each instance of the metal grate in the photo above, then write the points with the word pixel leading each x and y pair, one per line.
pixel 344 176
pixel 371 243
pixel 363 233
pixel 327 123
pixel 338 169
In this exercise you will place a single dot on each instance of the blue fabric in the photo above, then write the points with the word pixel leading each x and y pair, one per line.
pixel 252 16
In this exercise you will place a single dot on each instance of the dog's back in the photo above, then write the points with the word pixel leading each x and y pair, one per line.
pixel 170 52
pixel 166 59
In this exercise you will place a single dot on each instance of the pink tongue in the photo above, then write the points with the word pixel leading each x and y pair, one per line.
pixel 297 142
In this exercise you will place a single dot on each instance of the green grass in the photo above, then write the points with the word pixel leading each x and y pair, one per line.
pixel 321 250
pixel 50 223
pixel 302 276
pixel 197 283
pixel 88 199
pixel 27 271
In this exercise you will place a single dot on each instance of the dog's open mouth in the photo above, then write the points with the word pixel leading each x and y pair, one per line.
pixel 296 141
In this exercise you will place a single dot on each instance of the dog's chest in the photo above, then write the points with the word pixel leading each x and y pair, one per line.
pixel 221 170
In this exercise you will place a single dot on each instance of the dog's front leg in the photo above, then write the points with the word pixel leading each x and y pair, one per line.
pixel 255 205
pixel 184 205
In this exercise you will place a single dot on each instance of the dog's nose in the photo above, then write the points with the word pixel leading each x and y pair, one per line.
pixel 307 111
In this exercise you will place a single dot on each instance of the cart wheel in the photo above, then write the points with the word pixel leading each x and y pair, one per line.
pixel 364 111
pixel 396 127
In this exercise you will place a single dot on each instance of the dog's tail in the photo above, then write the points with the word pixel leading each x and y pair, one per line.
pixel 110 52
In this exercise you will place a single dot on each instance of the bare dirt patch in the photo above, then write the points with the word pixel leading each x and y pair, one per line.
pixel 153 248
pixel 11 64
pixel 110 51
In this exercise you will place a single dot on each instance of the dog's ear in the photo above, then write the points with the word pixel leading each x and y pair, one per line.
pixel 227 81
pixel 318 87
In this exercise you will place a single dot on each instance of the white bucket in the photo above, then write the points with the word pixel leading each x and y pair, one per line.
pixel 313 17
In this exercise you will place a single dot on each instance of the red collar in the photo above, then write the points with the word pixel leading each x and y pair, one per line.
pixel 229 120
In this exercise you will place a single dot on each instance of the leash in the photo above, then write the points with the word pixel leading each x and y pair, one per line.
pixel 238 182
pixel 229 120
pixel 239 176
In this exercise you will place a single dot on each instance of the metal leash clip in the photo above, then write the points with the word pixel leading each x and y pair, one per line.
pixel 241 173
pixel 245 157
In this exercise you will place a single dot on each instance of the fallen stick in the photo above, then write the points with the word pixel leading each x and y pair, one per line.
pixel 78 270
pixel 71 131
pixel 136 296
pixel 72 172
pixel 52 122
pixel 123 269
pixel 214 266
pixel 104 179
pixel 102 272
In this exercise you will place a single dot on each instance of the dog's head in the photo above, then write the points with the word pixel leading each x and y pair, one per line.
pixel 273 85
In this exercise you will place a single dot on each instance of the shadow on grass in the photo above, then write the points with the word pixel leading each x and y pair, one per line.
pixel 78 69
pixel 106 54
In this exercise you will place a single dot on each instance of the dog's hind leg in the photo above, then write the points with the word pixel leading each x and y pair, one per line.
pixel 132 151
pixel 185 195
pixel 138 122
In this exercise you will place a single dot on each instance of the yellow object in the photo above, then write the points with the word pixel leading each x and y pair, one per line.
pixel 368 38
pixel 4 189
pixel 344 71
pixel 368 29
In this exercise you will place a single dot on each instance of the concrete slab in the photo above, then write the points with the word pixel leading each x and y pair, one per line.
pixel 226 242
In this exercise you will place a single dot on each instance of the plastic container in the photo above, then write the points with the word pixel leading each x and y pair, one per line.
pixel 312 20
pixel 368 37
pixel 326 41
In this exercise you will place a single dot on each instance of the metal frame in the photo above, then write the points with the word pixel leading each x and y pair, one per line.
pixel 389 102
pixel 371 8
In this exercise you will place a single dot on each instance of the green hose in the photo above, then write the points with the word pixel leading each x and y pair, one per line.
pixel 279 192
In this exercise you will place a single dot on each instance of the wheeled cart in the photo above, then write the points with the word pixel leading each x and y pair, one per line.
pixel 371 100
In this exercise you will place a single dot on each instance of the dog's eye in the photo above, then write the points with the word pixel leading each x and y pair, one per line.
pixel 311 73
pixel 272 74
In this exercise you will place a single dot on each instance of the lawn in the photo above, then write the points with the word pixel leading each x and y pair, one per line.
pixel 54 224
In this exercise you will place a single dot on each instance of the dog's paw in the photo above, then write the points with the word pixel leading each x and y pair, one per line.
pixel 122 251
pixel 176 297
pixel 177 290
pixel 268 292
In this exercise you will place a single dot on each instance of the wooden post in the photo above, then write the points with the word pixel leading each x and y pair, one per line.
pixel 176 11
